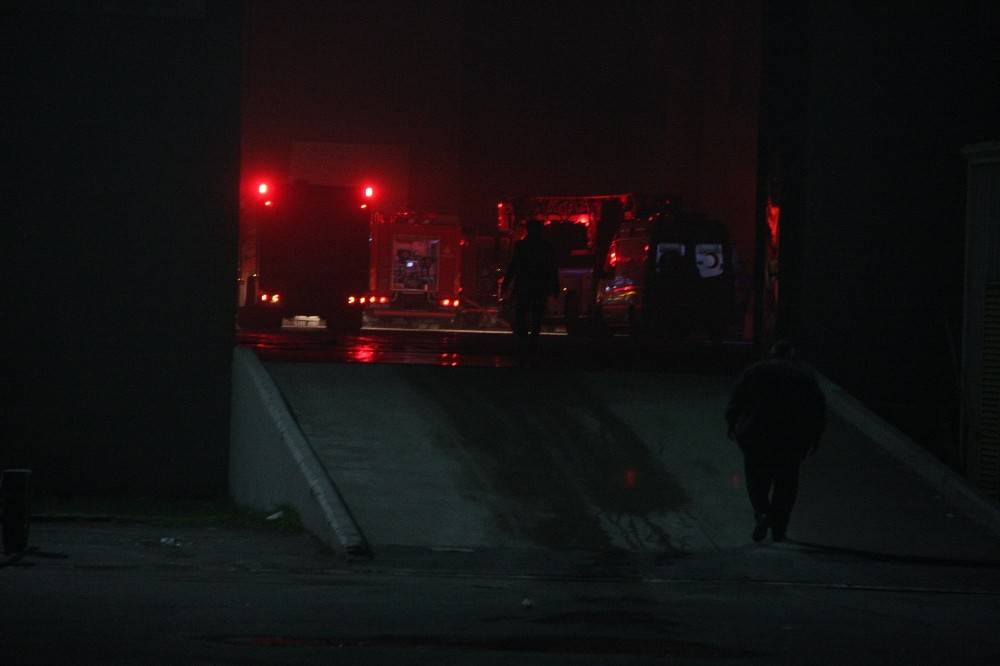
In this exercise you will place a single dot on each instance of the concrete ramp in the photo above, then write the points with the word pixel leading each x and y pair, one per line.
pixel 487 458
pixel 512 458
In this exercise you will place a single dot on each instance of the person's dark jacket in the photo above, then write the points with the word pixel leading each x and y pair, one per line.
pixel 777 407
pixel 532 269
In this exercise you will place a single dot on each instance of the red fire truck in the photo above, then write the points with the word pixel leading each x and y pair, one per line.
pixel 415 268
pixel 303 251
pixel 580 229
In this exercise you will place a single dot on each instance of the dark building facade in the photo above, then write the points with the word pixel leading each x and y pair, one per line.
pixel 120 232
pixel 865 112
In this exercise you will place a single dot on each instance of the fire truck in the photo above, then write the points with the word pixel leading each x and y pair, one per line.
pixel 415 269
pixel 303 252
pixel 580 229
pixel 622 261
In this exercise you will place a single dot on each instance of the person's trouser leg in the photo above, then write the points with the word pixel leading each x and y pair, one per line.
pixel 521 318
pixel 537 309
pixel 786 489
pixel 758 478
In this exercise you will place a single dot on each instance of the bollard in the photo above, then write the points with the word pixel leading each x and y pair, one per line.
pixel 14 484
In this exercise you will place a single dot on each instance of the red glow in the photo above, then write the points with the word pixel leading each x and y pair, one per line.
pixel 263 297
pixel 613 258
pixel 369 192
pixel 351 300
pixel 262 188
pixel 500 205
pixel 275 298
pixel 383 299
pixel 363 353
pixel 364 205
pixel 268 203
pixel 773 220
pixel 446 302
pixel 455 303
pixel 631 478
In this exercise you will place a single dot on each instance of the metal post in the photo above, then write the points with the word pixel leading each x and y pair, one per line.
pixel 16 495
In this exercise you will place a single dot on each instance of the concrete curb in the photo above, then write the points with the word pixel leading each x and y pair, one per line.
pixel 270 458
pixel 953 487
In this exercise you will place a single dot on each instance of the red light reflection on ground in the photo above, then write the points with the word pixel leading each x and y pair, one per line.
pixel 363 354
pixel 631 478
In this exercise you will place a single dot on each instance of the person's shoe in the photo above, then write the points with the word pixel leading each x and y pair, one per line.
pixel 760 530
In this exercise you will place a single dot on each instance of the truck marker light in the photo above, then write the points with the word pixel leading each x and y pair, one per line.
pixel 446 302
pixel 362 300
pixel 383 299
pixel 263 297
pixel 275 298
pixel 455 303
pixel 351 300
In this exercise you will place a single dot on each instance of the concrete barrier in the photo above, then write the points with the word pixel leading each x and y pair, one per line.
pixel 953 487
pixel 272 464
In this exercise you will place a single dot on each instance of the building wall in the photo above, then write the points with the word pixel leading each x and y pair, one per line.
pixel 874 286
pixel 121 223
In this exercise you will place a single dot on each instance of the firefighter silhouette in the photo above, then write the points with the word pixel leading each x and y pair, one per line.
pixel 532 277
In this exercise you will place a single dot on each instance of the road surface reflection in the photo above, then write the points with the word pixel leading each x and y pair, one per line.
pixel 429 347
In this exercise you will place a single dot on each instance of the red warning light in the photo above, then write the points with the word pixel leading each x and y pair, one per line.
pixel 262 188
pixel 369 192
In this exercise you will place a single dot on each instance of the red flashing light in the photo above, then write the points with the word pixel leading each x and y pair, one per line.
pixel 262 188
pixel 446 302
pixel 500 205
pixel 369 192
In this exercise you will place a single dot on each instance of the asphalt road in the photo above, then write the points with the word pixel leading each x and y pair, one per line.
pixel 114 593
pixel 585 509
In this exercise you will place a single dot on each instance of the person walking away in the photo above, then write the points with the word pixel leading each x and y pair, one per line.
pixel 776 414
pixel 532 276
